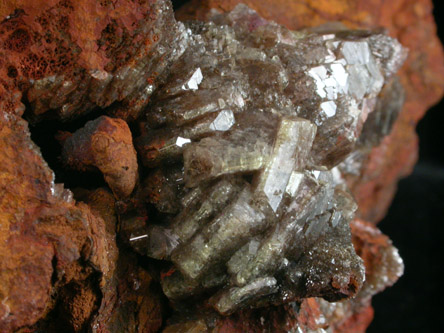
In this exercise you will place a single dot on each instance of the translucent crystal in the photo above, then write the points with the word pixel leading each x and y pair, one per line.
pixel 190 220
pixel 224 121
pixel 237 297
pixel 260 121
pixel 194 81
pixel 220 238
pixel 244 149
pixel 292 145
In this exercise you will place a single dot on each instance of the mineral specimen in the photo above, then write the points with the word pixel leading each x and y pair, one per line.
pixel 251 136
pixel 255 118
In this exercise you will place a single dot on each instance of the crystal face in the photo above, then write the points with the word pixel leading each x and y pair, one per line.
pixel 243 141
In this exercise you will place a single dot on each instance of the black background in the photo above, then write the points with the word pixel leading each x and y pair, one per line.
pixel 415 223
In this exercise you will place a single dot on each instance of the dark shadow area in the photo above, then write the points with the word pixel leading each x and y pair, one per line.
pixel 179 3
pixel 414 223
pixel 44 135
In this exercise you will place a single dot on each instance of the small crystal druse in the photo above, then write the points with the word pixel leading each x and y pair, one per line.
pixel 246 140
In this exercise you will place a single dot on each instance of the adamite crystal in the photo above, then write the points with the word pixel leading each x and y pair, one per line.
pixel 246 135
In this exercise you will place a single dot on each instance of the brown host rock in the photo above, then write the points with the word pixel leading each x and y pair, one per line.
pixel 48 242
pixel 105 144
pixel 57 53
pixel 71 56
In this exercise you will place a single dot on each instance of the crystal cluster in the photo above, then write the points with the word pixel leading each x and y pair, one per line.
pixel 243 142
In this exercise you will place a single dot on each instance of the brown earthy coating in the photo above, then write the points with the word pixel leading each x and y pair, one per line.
pixel 49 245
pixel 412 23
pixel 47 242
pixel 107 145
pixel 131 301
pixel 129 298
pixel 69 56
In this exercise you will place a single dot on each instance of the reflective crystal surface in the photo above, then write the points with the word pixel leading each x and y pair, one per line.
pixel 243 140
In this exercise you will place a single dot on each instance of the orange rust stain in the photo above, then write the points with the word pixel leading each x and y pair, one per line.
pixel 168 273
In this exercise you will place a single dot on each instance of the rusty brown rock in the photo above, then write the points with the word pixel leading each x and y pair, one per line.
pixel 383 265
pixel 52 250
pixel 46 237
pixel 101 202
pixel 106 144
pixel 412 23
pixel 24 253
pixel 69 57
pixel 130 301
pixel 43 234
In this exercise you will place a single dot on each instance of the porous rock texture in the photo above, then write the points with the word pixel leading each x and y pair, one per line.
pixel 58 256
pixel 60 266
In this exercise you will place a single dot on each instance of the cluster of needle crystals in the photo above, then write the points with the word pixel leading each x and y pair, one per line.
pixel 243 143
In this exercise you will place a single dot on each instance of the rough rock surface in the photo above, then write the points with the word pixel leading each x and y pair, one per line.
pixel 73 56
pixel 59 263
pixel 57 256
pixel 48 242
